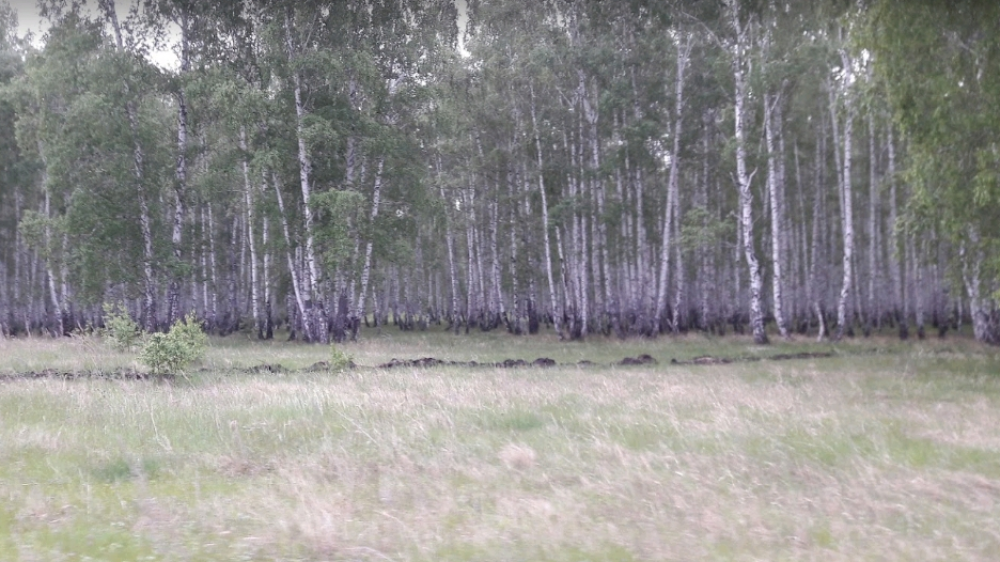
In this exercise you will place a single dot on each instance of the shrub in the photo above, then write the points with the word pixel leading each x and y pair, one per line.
pixel 119 328
pixel 184 344
pixel 339 361
pixel 192 339
pixel 162 354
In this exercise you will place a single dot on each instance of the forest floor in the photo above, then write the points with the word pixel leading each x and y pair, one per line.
pixel 871 449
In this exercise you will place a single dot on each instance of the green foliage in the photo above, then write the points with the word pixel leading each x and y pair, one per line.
pixel 700 229
pixel 940 64
pixel 189 333
pixel 119 328
pixel 184 344
pixel 162 354
pixel 340 208
pixel 339 360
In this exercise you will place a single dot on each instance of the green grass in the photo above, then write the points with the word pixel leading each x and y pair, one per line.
pixel 884 451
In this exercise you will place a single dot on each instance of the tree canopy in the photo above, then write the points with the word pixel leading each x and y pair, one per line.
pixel 629 168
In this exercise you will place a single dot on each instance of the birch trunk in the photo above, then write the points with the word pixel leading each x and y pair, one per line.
pixel 553 298
pixel 316 324
pixel 675 317
pixel 741 69
pixel 498 312
pixel 248 199
pixel 896 255
pixel 874 208
pixel 268 297
pixel 16 302
pixel 180 178
pixel 515 324
pixel 917 293
pixel 367 268
pixel 292 268
pixel 984 325
pixel 55 322
pixel 683 55
pixel 232 323
pixel 817 268
pixel 774 188
pixel 470 270
pixel 847 208
pixel 213 271
pixel 453 315
pixel 599 259
pixel 643 255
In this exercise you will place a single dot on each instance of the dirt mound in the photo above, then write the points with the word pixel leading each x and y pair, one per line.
pixel 709 360
pixel 422 362
pixel 505 364
pixel 433 362
pixel 264 368
pixel 120 374
pixel 643 359
pixel 323 366
pixel 803 355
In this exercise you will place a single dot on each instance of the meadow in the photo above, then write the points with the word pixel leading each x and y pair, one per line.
pixel 884 450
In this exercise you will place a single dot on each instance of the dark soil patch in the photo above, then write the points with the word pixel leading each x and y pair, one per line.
pixel 433 362
pixel 640 360
pixel 264 368
pixel 323 366
pixel 709 360
pixel 804 355
pixel 120 374
pixel 644 359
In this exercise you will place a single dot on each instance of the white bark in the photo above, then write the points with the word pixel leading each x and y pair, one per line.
pixel 896 255
pixel 983 327
pixel 847 205
pixel 213 268
pixel 642 252
pixel 265 241
pixel 495 262
pixel 683 56
pixel 50 276
pixel 317 322
pixel 292 268
pixel 599 261
pixel 774 187
pixel 367 268
pixel 741 69
pixel 470 270
pixel 450 241
pixel 180 185
pixel 248 200
pixel 553 301
pixel 815 292
pixel 873 316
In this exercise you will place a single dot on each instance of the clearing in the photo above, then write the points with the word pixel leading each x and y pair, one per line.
pixel 870 449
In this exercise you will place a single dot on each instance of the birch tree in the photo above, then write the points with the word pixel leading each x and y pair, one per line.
pixel 741 69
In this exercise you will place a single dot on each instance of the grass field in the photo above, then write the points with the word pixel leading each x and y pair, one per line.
pixel 884 451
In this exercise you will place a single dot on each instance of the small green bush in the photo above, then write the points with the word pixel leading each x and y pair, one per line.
pixel 169 353
pixel 191 337
pixel 119 328
pixel 339 361
pixel 162 354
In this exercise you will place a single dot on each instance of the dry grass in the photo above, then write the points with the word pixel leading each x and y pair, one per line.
pixel 890 456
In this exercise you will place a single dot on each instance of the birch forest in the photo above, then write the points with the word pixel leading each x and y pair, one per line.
pixel 774 168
